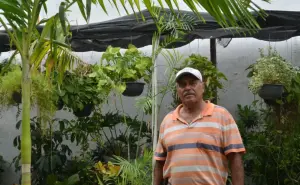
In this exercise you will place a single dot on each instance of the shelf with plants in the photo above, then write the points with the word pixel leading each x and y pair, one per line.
pixel 271 76
pixel 124 72
pixel 79 92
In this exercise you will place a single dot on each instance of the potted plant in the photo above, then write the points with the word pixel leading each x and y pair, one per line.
pixel 211 76
pixel 42 92
pixel 79 92
pixel 270 76
pixel 122 71
pixel 10 89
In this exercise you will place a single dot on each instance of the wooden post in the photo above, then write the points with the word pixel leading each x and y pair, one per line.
pixel 213 59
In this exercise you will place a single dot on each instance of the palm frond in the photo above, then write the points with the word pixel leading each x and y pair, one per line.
pixel 135 172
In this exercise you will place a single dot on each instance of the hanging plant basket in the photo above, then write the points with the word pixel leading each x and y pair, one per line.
pixel 17 97
pixel 272 92
pixel 60 104
pixel 85 112
pixel 134 89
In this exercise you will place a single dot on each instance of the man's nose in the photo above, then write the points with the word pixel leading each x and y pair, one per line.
pixel 188 86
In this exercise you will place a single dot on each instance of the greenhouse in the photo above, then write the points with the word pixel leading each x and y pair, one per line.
pixel 90 100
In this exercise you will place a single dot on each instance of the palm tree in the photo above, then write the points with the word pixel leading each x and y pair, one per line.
pixel 52 46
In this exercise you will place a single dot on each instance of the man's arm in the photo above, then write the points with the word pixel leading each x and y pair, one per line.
pixel 237 168
pixel 234 148
pixel 158 172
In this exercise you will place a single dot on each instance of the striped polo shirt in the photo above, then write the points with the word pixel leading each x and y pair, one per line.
pixel 195 153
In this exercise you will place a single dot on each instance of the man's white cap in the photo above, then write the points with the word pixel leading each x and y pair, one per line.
pixel 189 70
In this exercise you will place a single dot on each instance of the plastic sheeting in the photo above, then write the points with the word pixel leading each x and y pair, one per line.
pixel 278 26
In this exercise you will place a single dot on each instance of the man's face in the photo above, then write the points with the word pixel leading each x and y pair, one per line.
pixel 190 89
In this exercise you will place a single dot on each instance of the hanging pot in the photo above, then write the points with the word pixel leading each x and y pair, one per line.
pixel 17 97
pixel 271 91
pixel 134 88
pixel 59 104
pixel 85 112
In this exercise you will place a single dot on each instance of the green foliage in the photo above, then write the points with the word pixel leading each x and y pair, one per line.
pixel 136 172
pixel 79 90
pixel 43 94
pixel 272 154
pixel 104 129
pixel 49 153
pixel 10 83
pixel 248 119
pixel 293 97
pixel 72 180
pixel 120 68
pixel 248 115
pixel 5 66
pixel 270 69
pixel 273 157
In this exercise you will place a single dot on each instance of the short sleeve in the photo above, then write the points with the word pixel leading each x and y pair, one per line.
pixel 160 151
pixel 232 140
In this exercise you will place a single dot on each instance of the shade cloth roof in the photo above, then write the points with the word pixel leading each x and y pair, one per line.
pixel 278 26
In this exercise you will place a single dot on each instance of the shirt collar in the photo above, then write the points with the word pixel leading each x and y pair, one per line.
pixel 208 110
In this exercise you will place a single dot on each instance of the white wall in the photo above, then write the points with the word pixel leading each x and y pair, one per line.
pixel 231 60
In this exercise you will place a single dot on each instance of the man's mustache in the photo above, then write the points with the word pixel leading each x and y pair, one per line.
pixel 186 93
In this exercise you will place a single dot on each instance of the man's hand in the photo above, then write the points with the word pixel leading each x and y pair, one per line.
pixel 237 168
pixel 158 172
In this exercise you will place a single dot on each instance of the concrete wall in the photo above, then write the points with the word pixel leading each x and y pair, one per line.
pixel 232 61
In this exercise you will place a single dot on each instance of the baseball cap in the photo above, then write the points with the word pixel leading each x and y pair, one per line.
pixel 189 70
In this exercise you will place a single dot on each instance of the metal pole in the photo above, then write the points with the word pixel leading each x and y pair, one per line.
pixel 213 59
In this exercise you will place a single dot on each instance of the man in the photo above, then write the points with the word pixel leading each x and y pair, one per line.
pixel 198 139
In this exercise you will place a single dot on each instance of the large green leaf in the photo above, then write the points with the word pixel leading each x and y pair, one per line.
pixel 13 7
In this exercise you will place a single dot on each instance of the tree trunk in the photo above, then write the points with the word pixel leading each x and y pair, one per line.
pixel 26 134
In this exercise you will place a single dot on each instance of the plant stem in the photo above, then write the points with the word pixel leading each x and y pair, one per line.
pixel 139 137
pixel 155 47
pixel 128 134
pixel 26 135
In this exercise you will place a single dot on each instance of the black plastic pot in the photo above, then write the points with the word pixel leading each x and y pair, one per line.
pixel 134 88
pixel 60 104
pixel 17 97
pixel 271 91
pixel 86 111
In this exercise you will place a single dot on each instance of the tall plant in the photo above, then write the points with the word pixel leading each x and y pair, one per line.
pixel 51 46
